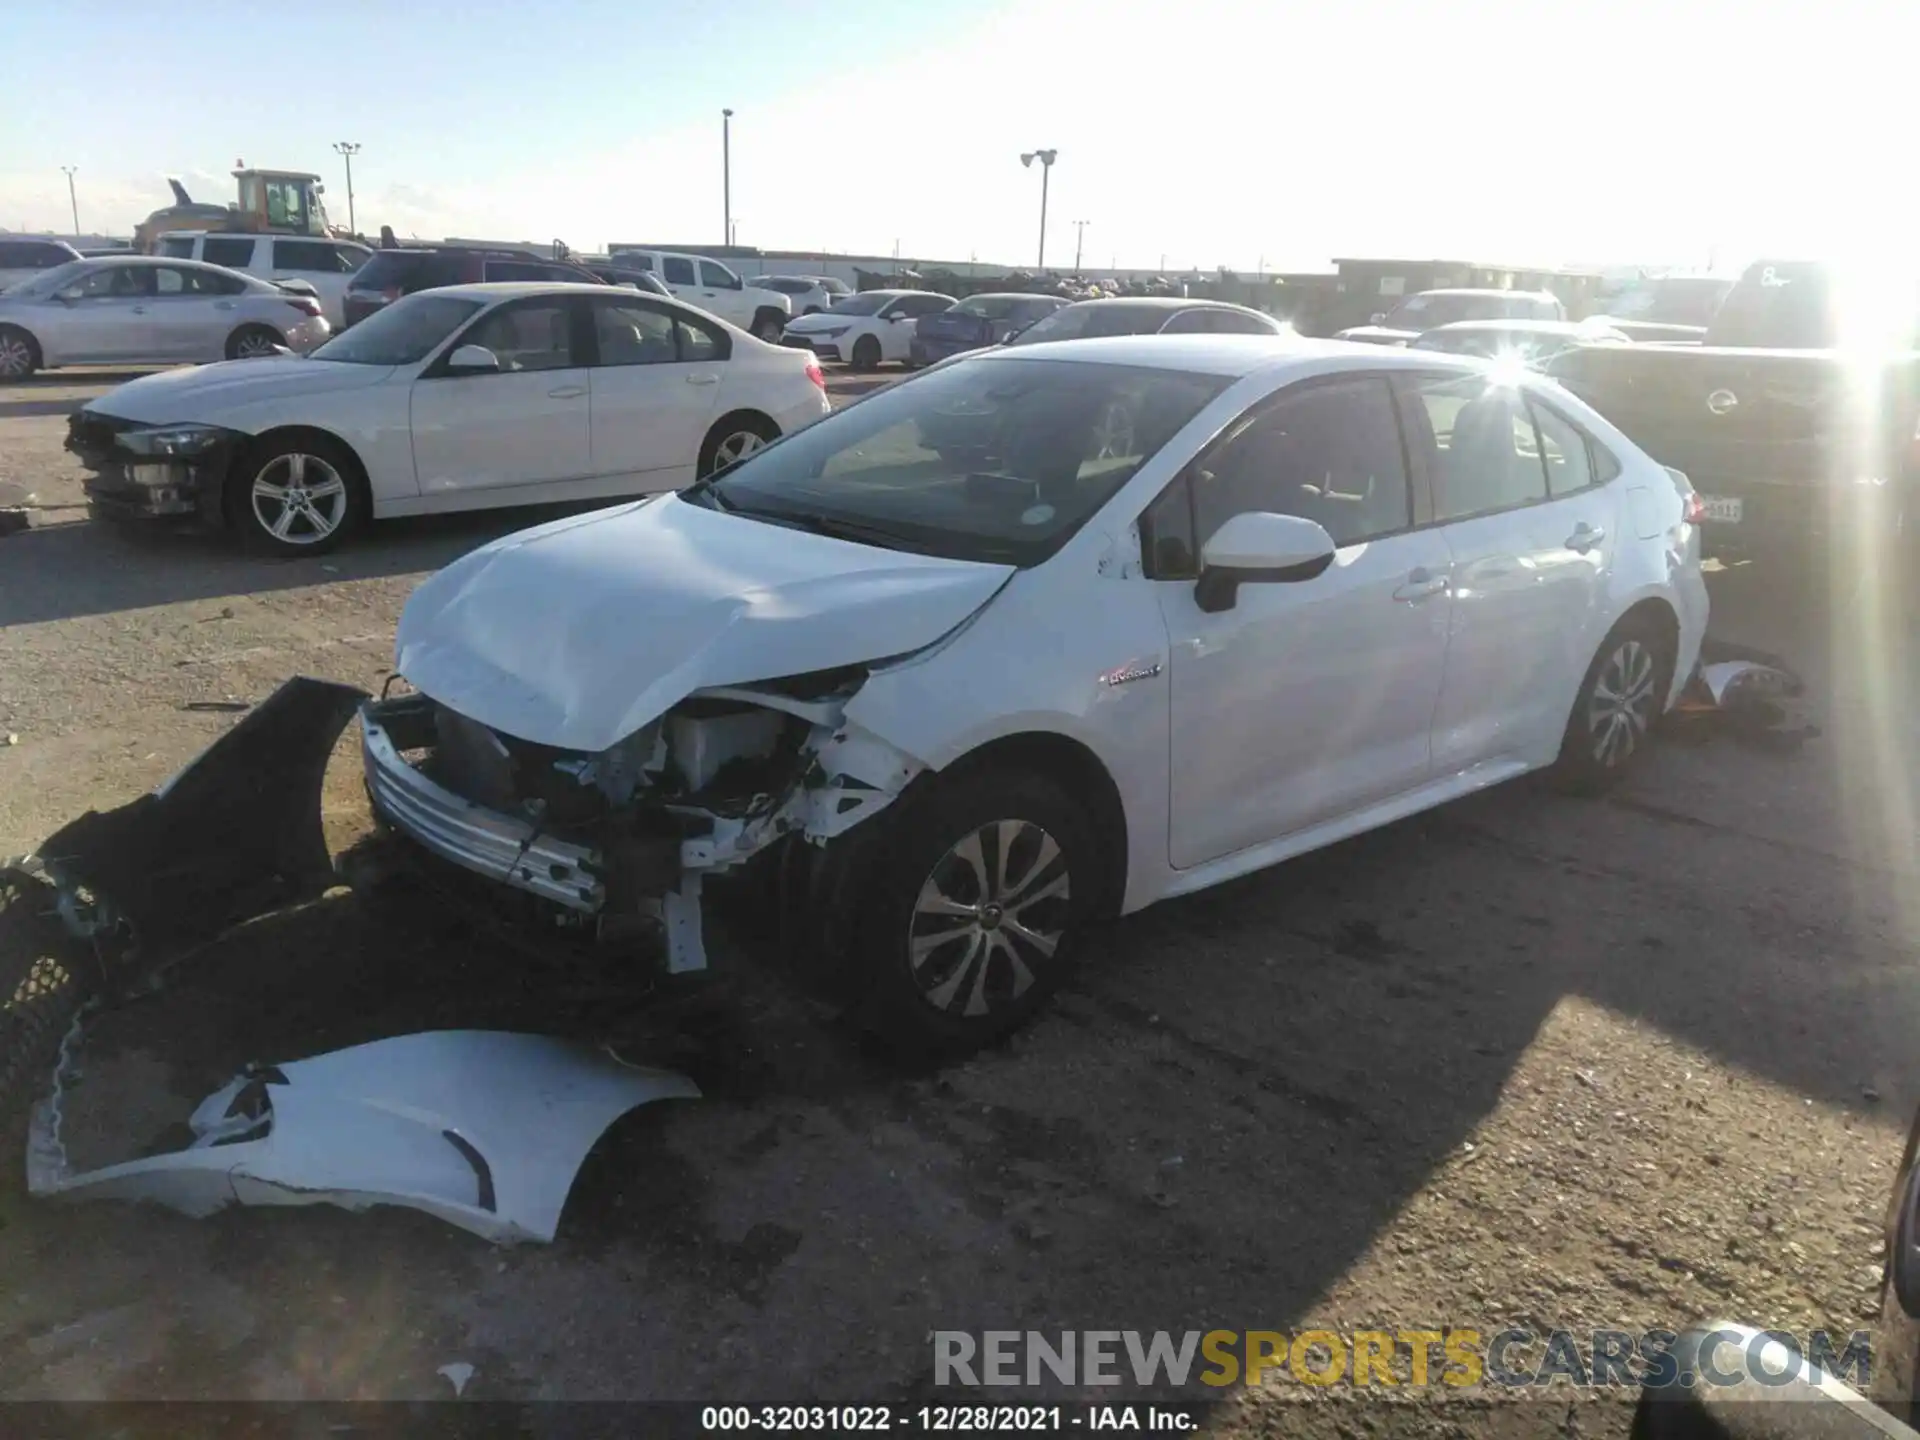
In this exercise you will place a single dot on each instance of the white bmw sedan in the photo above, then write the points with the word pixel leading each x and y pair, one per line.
pixel 462 398
pixel 1157 612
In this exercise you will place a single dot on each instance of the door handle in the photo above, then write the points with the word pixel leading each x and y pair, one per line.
pixel 568 392
pixel 1585 537
pixel 139 310
pixel 1422 584
pixel 223 304
pixel 704 377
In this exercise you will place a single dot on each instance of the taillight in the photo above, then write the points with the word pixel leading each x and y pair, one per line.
pixel 390 294
pixel 305 306
pixel 1696 508
pixel 815 373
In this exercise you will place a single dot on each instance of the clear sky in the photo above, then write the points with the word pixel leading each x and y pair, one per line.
pixel 1206 132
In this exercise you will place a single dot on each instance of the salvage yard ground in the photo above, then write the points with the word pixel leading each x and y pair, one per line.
pixel 1588 1064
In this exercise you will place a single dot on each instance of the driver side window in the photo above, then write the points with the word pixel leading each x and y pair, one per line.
pixel 533 335
pixel 1328 453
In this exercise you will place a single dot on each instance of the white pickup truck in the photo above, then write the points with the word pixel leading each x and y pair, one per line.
pixel 716 289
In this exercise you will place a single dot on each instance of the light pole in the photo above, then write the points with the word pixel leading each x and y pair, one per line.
pixel 726 175
pixel 1046 159
pixel 348 149
pixel 72 199
pixel 1079 242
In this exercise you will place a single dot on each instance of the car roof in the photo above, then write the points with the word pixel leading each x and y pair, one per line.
pixel 172 262
pixel 1528 294
pixel 1016 295
pixel 1524 327
pixel 1230 355
pixel 512 289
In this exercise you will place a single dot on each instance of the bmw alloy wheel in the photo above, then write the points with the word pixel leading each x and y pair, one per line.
pixel 299 499
pixel 991 912
pixel 1621 708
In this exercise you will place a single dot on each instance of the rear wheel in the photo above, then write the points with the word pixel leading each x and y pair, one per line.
pixel 19 355
pixel 1621 699
pixel 297 495
pixel 254 342
pixel 866 353
pixel 735 438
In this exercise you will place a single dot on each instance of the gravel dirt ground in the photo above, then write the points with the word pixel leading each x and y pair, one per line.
pixel 1528 1059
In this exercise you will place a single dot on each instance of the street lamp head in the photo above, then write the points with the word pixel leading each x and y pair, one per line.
pixel 727 113
pixel 1045 157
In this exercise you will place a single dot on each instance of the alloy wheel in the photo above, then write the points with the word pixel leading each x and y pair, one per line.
pixel 737 446
pixel 299 499
pixel 254 345
pixel 991 912
pixel 16 357
pixel 1621 708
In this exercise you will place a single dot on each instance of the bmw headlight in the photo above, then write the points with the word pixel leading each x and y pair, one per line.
pixel 172 440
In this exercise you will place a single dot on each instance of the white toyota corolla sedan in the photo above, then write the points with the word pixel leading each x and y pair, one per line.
pixel 461 398
pixel 1042 636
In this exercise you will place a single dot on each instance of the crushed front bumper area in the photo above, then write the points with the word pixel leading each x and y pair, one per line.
pixel 123 484
pixel 501 847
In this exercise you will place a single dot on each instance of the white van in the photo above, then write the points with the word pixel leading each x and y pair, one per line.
pixel 326 265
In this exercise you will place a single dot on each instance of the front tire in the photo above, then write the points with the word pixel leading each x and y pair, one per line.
pixel 19 354
pixel 1621 700
pixel 866 353
pixel 768 326
pixel 254 342
pixel 970 910
pixel 297 495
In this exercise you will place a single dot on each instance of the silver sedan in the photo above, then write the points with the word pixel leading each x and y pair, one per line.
pixel 138 310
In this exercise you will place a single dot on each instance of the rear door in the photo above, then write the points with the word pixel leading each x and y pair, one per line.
pixel 651 399
pixel 193 312
pixel 327 265
pixel 527 424
pixel 1531 536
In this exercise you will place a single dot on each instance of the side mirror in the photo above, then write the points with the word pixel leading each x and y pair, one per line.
pixel 1377 317
pixel 68 295
pixel 1259 547
pixel 472 360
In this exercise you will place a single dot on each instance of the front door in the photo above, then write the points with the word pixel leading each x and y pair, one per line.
pixel 526 424
pixel 1309 700
pixel 108 319
pixel 1532 540
pixel 653 385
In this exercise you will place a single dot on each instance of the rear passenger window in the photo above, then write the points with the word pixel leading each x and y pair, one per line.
pixel 233 250
pixel 699 340
pixel 1488 452
pixel 1564 451
pixel 678 270
pixel 176 247
pixel 312 255
pixel 517 270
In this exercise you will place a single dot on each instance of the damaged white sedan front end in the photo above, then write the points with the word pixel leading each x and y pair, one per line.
pixel 608 767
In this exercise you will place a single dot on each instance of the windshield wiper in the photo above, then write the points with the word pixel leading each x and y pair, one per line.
pixel 830 526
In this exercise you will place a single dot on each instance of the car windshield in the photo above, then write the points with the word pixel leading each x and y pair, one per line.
pixel 1670 301
pixel 401 334
pixel 48 281
pixel 1000 461
pixel 988 307
pixel 868 303
pixel 1423 312
pixel 1088 321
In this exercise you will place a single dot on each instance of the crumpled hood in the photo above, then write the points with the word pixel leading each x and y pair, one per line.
pixel 210 393
pixel 576 633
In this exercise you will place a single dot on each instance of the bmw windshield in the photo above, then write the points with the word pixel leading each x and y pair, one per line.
pixel 404 333
pixel 999 461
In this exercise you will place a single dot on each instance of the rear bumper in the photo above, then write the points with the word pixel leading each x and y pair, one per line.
pixel 824 349
pixel 487 842
pixel 1775 515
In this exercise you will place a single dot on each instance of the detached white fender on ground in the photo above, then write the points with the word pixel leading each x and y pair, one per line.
pixel 484 1129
